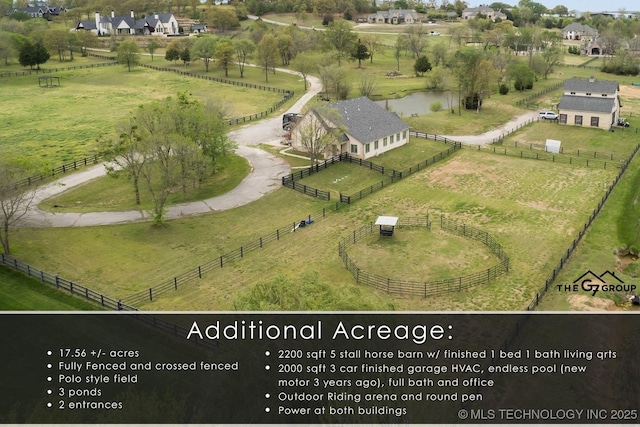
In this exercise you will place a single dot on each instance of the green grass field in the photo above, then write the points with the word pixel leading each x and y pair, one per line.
pixel 108 194
pixel 94 100
pixel 533 208
pixel 505 196
pixel 19 292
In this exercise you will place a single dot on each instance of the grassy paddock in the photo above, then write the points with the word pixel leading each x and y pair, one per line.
pixel 19 292
pixel 512 199
pixel 108 194
pixel 90 101
pixel 619 143
pixel 614 228
pixel 421 255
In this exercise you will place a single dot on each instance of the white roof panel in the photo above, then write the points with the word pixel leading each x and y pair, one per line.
pixel 387 220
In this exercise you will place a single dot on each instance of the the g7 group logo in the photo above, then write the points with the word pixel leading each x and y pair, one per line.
pixel 591 282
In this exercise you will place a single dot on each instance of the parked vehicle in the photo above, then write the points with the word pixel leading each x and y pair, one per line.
pixel 622 122
pixel 289 120
pixel 548 115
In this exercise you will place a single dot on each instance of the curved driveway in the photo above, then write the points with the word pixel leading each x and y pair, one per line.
pixel 264 177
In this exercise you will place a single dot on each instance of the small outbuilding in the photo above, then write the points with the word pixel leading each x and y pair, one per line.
pixel 387 224
pixel 552 146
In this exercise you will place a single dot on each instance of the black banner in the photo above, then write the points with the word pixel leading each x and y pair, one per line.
pixel 319 368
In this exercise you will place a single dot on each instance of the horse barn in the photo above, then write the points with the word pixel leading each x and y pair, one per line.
pixel 590 103
pixel 359 126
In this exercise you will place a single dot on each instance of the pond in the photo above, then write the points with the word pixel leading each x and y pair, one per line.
pixel 415 103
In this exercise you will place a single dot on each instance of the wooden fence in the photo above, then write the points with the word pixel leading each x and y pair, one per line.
pixel 425 289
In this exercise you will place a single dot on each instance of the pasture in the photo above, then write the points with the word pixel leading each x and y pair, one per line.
pixel 534 209
pixel 511 199
pixel 61 124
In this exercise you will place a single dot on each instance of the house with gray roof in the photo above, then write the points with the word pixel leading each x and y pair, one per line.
pixel 578 31
pixel 487 12
pixel 590 102
pixel 361 127
pixel 152 24
pixel 394 16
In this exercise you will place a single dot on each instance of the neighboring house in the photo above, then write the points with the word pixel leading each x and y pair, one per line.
pixel 199 28
pixel 599 47
pixel 578 31
pixel 487 12
pixel 394 16
pixel 40 10
pixel 156 23
pixel 590 102
pixel 365 129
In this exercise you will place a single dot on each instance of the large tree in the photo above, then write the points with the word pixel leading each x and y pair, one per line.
pixel 125 152
pixel 205 48
pixel 417 38
pixel 340 39
pixel 33 54
pixel 14 200
pixel 244 51
pixel 128 53
pixel 224 54
pixel 360 52
pixel 267 54
pixel 181 140
pixel 306 63
pixel 57 41
pixel 7 50
pixel 152 46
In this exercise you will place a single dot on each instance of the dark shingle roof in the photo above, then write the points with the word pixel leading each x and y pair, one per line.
pixel 87 25
pixel 586 103
pixel 596 86
pixel 366 120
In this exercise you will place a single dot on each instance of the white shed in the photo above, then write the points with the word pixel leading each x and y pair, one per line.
pixel 552 146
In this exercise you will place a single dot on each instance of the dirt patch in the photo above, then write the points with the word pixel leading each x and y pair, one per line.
pixel 589 303
pixel 630 91
pixel 625 257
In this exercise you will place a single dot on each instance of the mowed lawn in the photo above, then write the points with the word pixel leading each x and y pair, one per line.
pixel 57 125
pixel 19 292
pixel 533 209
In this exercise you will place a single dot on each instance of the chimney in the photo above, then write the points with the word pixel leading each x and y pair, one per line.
pixel 592 79
pixel 113 14
pixel 132 15
pixel 98 22
pixel 156 16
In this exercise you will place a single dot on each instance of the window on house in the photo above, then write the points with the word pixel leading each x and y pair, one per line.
pixel 604 94
pixel 354 149
pixel 367 148
pixel 391 139
pixel 404 134
pixel 578 120
pixel 375 144
pixel 562 119
pixel 384 141
pixel 573 93
pixel 595 121
pixel 397 137
pixel 588 93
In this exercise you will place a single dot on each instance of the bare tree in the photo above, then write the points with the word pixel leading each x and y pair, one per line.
pixel 417 38
pixel 14 200
pixel 367 85
pixel 319 129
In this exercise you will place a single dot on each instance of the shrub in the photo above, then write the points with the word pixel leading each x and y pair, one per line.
pixel 504 89
pixel 436 106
